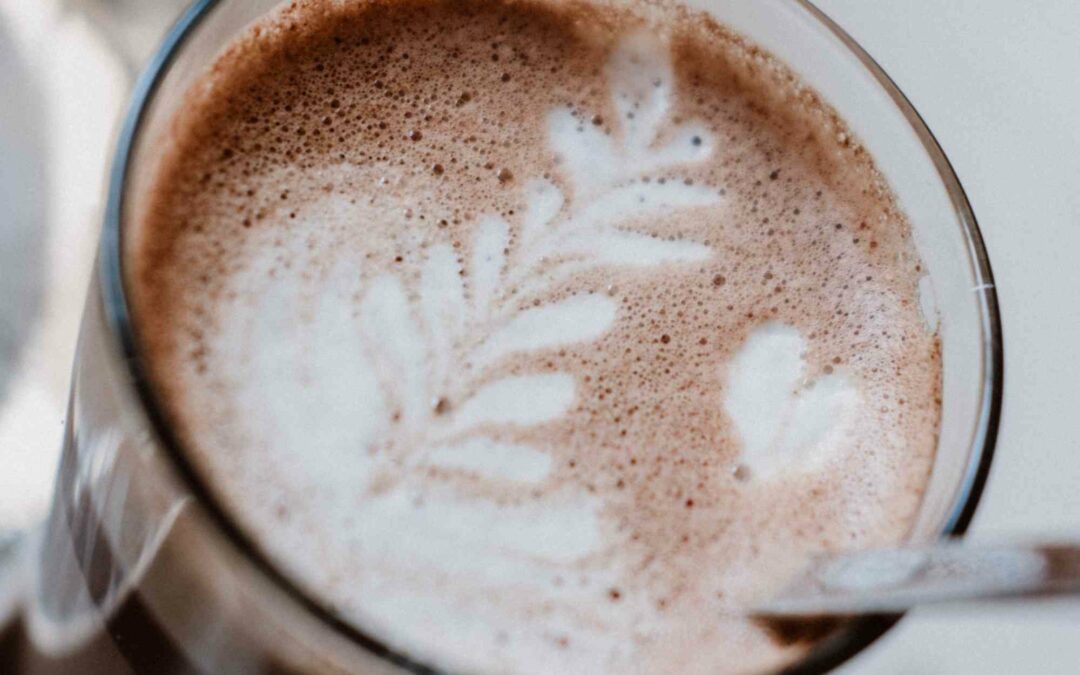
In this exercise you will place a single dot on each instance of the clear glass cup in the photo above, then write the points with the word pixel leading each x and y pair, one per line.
pixel 138 569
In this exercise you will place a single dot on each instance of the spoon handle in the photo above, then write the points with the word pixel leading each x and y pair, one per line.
pixel 893 580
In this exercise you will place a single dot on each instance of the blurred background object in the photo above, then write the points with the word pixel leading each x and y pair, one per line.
pixel 65 71
pixel 22 191
pixel 132 27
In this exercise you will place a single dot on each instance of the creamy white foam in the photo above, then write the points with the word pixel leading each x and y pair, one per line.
pixel 784 419
pixel 530 338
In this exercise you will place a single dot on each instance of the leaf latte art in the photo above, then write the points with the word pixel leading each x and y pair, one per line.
pixel 433 365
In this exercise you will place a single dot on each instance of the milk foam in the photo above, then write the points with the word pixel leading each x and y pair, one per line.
pixel 526 340
pixel 784 420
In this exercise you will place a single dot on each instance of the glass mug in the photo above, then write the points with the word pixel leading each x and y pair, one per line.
pixel 138 570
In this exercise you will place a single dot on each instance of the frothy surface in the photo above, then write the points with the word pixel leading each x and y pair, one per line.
pixel 534 336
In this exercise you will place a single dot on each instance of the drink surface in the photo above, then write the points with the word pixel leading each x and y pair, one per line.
pixel 534 336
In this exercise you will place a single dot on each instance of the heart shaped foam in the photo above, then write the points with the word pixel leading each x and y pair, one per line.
pixel 784 420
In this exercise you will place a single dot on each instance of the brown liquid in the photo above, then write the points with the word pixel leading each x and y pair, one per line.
pixel 338 145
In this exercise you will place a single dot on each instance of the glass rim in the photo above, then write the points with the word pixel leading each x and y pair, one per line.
pixel 822 657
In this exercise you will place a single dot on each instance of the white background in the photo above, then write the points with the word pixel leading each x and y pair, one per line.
pixel 998 82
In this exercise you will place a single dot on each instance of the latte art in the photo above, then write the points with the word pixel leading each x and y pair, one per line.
pixel 783 418
pixel 433 358
pixel 533 336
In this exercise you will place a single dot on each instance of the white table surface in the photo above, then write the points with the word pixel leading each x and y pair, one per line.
pixel 998 81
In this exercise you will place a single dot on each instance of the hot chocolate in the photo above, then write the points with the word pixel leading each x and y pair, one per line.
pixel 534 336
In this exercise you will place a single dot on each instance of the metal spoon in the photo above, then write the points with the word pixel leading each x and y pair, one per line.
pixel 887 581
